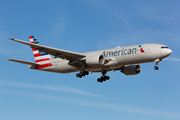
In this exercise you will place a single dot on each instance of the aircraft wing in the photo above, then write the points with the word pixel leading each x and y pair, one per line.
pixel 68 55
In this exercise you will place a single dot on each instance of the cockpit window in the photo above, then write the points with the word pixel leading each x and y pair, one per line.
pixel 164 47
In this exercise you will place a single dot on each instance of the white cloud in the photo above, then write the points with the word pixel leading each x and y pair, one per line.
pixel 173 59
pixel 3 50
pixel 55 88
pixel 104 5
pixel 155 12
pixel 97 104
pixel 58 27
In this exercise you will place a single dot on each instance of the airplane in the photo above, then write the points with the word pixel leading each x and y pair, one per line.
pixel 125 59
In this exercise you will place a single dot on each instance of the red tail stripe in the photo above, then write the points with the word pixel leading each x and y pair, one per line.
pixel 37 55
pixel 33 42
pixel 34 49
pixel 30 37
pixel 43 66
pixel 41 60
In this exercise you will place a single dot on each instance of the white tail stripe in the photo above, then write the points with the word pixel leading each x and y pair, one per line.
pixel 35 52
pixel 41 57
pixel 31 40
pixel 43 62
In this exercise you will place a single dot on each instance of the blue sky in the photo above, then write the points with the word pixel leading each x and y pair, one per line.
pixel 82 26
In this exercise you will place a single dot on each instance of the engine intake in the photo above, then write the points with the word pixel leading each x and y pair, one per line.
pixel 95 60
pixel 131 70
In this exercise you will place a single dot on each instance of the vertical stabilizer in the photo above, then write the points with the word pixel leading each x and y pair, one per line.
pixel 40 57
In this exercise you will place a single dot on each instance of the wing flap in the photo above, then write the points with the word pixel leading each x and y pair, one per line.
pixel 24 62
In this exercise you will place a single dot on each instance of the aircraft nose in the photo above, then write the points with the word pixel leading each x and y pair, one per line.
pixel 166 52
pixel 169 51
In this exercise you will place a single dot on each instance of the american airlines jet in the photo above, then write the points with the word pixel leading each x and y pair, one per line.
pixel 124 59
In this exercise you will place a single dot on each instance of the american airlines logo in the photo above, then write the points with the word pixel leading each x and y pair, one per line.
pixel 119 52
pixel 141 49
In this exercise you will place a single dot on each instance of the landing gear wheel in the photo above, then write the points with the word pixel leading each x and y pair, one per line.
pixel 86 73
pixel 103 77
pixel 82 74
pixel 77 75
pixel 99 80
pixel 107 77
pixel 157 62
pixel 156 67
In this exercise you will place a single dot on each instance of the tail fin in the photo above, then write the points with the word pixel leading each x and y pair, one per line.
pixel 40 57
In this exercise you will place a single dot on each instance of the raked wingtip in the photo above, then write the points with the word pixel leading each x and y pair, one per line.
pixel 11 38
pixel 8 59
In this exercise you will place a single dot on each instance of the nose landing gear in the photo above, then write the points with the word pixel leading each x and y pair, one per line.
pixel 156 67
pixel 157 62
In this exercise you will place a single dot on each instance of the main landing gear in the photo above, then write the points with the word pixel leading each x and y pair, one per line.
pixel 82 73
pixel 103 77
pixel 157 62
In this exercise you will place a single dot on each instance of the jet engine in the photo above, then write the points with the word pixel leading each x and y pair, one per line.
pixel 131 70
pixel 95 60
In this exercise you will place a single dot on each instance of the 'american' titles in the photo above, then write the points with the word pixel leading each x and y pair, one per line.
pixel 119 52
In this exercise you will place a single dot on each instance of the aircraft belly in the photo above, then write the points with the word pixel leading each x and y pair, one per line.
pixel 135 59
pixel 63 67
pixel 128 59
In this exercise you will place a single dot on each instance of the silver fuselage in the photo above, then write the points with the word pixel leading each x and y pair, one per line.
pixel 117 57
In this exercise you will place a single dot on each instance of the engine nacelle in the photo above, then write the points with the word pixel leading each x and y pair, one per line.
pixel 131 70
pixel 95 60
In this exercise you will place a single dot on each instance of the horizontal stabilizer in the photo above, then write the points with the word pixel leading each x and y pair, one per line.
pixel 24 62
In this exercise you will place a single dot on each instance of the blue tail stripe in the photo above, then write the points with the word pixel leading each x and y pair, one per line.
pixel 42 54
pixel 36 42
